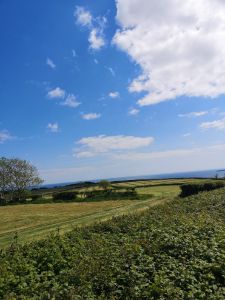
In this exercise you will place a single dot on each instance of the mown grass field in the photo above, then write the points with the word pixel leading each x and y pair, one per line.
pixel 34 221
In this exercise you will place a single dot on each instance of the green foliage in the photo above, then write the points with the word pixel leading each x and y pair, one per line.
pixel 16 176
pixel 104 184
pixel 116 194
pixel 194 188
pixel 174 251
pixel 65 196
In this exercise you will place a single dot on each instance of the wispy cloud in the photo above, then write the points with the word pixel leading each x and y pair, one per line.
pixel 5 136
pixel 111 71
pixel 74 54
pixel 133 111
pixel 83 16
pixel 95 26
pixel 194 114
pixel 96 39
pixel 114 95
pixel 56 93
pixel 53 127
pixel 186 134
pixel 217 124
pixel 91 116
pixel 70 101
pixel 50 63
pixel 103 144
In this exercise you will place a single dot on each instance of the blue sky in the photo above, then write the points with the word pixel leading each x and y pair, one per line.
pixel 99 89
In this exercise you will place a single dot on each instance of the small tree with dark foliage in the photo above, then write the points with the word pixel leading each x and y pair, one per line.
pixel 104 184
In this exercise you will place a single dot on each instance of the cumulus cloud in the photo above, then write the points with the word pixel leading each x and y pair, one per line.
pixel 102 144
pixel 53 127
pixel 133 111
pixel 70 101
pixel 217 124
pixel 50 63
pixel 178 44
pixel 194 114
pixel 91 116
pixel 114 95
pixel 95 26
pixel 56 93
pixel 5 136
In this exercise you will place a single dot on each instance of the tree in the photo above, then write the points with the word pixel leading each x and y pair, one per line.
pixel 104 184
pixel 16 176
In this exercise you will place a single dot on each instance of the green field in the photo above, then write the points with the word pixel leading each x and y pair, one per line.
pixel 173 251
pixel 34 221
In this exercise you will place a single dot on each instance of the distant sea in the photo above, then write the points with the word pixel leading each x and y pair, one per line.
pixel 194 174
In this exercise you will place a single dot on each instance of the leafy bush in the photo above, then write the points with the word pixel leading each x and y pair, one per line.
pixel 21 196
pixel 104 184
pixel 65 196
pixel 36 197
pixel 194 188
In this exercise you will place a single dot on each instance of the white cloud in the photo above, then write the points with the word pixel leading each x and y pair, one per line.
pixel 96 39
pixel 95 26
pixel 95 61
pixel 53 127
pixel 5 136
pixel 102 144
pixel 114 95
pixel 187 134
pixel 133 111
pixel 180 46
pixel 70 101
pixel 91 116
pixel 112 71
pixel 194 114
pixel 217 124
pixel 50 63
pixel 56 93
pixel 83 16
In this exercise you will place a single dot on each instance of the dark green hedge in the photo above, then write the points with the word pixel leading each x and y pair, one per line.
pixel 65 196
pixel 111 194
pixel 194 188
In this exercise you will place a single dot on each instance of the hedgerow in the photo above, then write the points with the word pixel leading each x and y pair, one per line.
pixel 65 196
pixel 195 188
pixel 174 251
